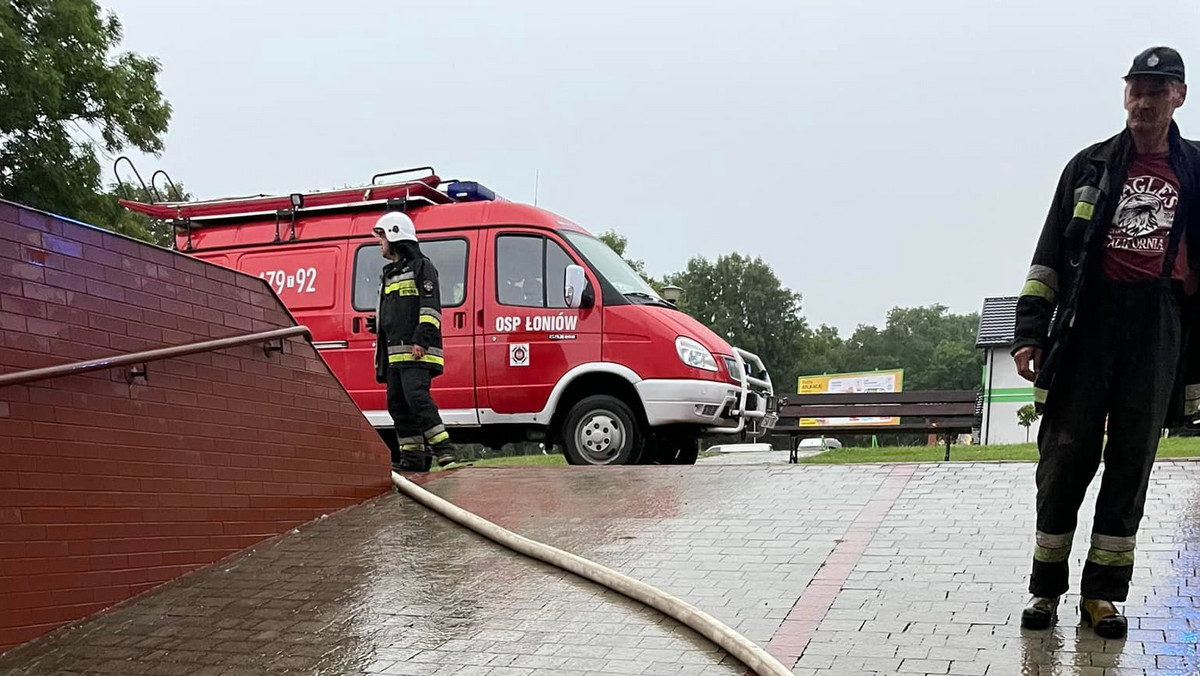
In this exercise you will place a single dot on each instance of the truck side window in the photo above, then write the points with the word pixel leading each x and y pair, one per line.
pixel 449 256
pixel 530 271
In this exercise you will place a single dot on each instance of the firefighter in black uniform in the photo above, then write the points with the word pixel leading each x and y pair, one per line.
pixel 408 348
pixel 1106 331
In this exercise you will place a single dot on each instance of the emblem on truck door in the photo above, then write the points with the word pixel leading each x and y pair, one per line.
pixel 518 354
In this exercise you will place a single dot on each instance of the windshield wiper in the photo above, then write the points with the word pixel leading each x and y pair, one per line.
pixel 653 300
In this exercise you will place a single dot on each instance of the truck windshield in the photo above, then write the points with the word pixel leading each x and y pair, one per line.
pixel 611 266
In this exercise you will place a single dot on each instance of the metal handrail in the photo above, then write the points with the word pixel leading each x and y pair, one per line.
pixel 158 354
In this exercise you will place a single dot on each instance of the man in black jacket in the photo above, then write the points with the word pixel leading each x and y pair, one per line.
pixel 1102 330
pixel 408 347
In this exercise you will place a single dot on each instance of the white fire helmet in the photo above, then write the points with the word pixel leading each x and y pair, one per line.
pixel 396 227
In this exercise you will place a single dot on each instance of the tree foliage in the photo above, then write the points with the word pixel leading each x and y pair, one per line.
pixel 1026 416
pixel 742 300
pixel 61 85
pixel 935 348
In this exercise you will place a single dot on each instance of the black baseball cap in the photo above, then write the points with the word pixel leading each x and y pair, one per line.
pixel 1160 61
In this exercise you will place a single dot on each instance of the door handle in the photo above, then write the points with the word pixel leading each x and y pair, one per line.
pixel 479 317
pixel 330 344
pixel 460 319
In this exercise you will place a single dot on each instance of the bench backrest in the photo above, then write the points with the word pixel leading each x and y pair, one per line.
pixel 940 410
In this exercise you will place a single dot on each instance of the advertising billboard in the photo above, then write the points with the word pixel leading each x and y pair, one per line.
pixel 867 381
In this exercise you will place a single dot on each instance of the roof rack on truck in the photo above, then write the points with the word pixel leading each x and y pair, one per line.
pixel 427 189
pixel 151 191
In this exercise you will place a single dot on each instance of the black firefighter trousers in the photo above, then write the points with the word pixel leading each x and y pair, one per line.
pixel 1121 365
pixel 415 416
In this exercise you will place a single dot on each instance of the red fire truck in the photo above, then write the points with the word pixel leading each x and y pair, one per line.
pixel 548 334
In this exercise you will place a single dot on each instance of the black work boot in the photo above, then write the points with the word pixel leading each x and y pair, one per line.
pixel 412 459
pixel 1104 618
pixel 446 454
pixel 1041 613
pixel 405 467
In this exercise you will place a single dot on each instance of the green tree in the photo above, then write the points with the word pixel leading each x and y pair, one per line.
pixel 823 351
pixel 62 83
pixel 1026 416
pixel 742 300
pixel 935 348
pixel 117 218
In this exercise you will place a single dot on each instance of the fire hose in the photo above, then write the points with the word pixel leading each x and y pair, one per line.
pixel 749 653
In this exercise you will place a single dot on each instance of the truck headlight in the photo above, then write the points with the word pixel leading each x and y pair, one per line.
pixel 693 354
pixel 734 369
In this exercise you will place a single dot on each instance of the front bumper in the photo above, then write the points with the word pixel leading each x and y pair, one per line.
pixel 721 408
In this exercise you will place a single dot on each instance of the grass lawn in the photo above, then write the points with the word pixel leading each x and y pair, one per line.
pixel 1179 447
pixel 551 460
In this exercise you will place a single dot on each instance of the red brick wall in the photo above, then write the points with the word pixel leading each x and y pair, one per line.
pixel 109 488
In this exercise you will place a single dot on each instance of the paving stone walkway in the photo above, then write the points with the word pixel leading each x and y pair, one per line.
pixel 752 458
pixel 840 570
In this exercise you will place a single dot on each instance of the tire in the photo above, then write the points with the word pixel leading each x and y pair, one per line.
pixel 562 449
pixel 601 430
pixel 686 455
pixel 673 452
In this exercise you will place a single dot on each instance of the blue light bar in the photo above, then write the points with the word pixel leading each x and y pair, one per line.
pixel 470 191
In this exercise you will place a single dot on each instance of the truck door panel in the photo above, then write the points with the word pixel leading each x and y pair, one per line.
pixel 531 337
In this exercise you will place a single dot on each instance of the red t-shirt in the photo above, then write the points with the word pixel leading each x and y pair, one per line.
pixel 1136 244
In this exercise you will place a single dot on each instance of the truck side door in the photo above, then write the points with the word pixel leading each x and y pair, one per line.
pixel 531 338
pixel 454 391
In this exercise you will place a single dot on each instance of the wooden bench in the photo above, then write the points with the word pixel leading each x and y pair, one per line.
pixel 945 413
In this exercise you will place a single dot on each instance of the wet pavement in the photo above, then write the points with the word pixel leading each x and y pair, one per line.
pixel 752 458
pixel 911 569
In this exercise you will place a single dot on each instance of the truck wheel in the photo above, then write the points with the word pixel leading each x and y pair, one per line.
pixel 687 454
pixel 674 452
pixel 601 430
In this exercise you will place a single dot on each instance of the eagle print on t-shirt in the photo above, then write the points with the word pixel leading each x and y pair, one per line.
pixel 1137 239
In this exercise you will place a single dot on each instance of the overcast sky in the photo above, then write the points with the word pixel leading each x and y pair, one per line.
pixel 876 154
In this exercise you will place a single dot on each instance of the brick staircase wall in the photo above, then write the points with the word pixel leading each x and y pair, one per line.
pixel 109 487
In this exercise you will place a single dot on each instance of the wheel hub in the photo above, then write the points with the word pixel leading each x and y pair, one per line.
pixel 600 436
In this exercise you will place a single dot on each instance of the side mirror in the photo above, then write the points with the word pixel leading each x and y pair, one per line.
pixel 574 282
